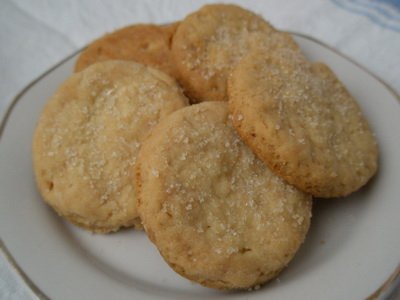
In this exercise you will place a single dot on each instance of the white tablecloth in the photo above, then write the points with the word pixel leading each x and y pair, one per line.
pixel 35 35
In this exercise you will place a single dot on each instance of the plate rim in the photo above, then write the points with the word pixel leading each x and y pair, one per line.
pixel 382 290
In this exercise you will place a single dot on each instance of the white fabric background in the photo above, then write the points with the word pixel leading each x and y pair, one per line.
pixel 35 35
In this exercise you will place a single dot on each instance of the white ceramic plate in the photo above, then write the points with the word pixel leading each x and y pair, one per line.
pixel 352 249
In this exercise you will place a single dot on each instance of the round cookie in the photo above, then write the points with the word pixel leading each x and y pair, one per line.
pixel 88 136
pixel 302 122
pixel 210 41
pixel 143 43
pixel 216 213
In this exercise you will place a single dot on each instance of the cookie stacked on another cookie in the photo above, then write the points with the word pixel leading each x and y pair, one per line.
pixel 88 136
pixel 216 213
pixel 302 122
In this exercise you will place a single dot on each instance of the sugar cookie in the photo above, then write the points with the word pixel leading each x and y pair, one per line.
pixel 88 136
pixel 209 42
pixel 302 122
pixel 216 213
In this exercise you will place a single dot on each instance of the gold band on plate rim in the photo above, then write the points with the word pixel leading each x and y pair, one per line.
pixel 383 290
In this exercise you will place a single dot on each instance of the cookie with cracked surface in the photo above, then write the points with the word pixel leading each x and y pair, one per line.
pixel 210 41
pixel 144 43
pixel 302 122
pixel 216 213
pixel 88 136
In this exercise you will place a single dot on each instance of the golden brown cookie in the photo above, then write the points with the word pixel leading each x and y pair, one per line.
pixel 209 42
pixel 216 213
pixel 144 43
pixel 302 122
pixel 88 136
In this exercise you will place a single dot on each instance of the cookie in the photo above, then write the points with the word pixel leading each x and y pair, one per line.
pixel 143 43
pixel 216 213
pixel 209 42
pixel 302 122
pixel 87 138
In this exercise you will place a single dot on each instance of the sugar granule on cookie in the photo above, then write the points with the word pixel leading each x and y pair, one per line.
pixel 216 213
pixel 88 136
pixel 302 122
